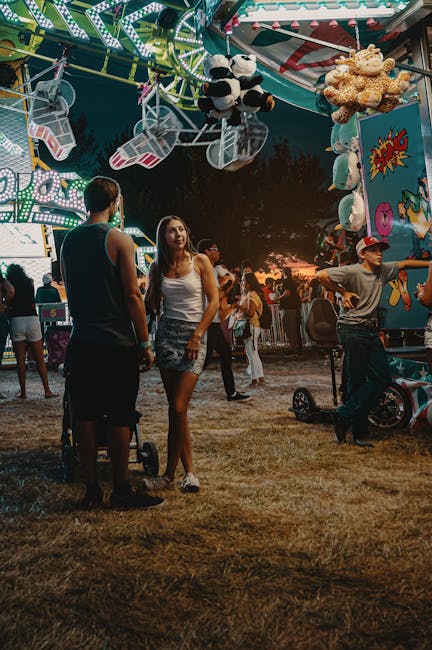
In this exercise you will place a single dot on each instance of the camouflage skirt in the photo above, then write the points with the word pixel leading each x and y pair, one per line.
pixel 171 339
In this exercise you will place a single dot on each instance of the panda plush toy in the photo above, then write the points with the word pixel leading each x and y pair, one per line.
pixel 222 93
pixel 252 97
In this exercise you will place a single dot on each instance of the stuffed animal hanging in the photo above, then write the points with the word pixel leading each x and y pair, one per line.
pixel 234 89
pixel 361 82
pixel 222 93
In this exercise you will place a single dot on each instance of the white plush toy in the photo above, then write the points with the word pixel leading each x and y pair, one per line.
pixel 252 97
pixel 351 210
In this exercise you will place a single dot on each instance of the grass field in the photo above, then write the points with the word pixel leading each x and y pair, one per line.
pixel 292 542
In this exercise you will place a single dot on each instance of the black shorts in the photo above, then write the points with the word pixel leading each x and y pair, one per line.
pixel 102 381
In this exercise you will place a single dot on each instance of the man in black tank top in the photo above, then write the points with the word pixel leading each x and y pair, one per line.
pixel 109 338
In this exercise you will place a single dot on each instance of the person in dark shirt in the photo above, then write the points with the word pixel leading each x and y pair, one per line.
pixel 109 338
pixel 47 293
pixel 290 309
pixel 25 328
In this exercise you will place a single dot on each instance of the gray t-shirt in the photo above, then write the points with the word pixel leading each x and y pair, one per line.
pixel 367 284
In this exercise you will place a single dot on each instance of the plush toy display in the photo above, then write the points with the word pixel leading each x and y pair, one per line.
pixel 252 97
pixel 351 210
pixel 222 94
pixel 346 171
pixel 234 89
pixel 361 82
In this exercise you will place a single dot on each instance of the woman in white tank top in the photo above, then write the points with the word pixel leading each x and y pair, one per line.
pixel 182 290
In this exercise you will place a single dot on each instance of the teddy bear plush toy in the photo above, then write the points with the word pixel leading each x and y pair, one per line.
pixel 361 82
pixel 252 97
pixel 222 93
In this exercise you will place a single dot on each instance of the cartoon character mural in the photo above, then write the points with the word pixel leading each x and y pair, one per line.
pixel 415 209
pixel 384 219
pixel 397 204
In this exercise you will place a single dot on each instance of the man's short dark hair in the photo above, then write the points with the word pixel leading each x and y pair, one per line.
pixel 268 281
pixel 205 244
pixel 99 193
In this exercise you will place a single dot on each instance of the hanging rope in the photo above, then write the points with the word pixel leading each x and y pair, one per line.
pixel 228 46
pixel 357 36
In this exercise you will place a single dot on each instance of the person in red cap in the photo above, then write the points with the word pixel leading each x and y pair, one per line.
pixel 367 370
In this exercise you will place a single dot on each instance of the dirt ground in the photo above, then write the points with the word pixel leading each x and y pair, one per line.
pixel 292 542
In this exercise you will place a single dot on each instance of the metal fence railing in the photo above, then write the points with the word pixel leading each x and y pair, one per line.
pixel 273 338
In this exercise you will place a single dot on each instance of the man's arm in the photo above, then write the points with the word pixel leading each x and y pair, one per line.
pixel 124 247
pixel 425 293
pixel 347 296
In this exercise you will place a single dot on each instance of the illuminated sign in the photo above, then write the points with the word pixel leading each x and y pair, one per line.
pixel 92 23
pixel 46 190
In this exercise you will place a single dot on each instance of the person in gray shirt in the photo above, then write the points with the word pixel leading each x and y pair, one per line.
pixel 367 370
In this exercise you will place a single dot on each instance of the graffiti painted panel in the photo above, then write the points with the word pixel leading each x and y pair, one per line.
pixel 397 205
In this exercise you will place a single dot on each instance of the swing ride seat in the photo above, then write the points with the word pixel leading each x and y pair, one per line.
pixel 238 145
pixel 48 120
pixel 151 144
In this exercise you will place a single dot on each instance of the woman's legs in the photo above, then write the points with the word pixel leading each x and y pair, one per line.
pixel 179 387
pixel 251 347
pixel 37 351
pixel 19 348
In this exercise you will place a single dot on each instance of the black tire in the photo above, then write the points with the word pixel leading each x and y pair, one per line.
pixel 393 410
pixel 68 463
pixel 303 405
pixel 150 459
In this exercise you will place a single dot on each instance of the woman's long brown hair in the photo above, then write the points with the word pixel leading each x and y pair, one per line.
pixel 162 262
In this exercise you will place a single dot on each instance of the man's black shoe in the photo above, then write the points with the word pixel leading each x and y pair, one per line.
pixel 133 498
pixel 93 499
pixel 238 397
pixel 363 442
pixel 341 427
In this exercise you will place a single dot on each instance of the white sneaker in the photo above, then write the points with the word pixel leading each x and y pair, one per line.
pixel 190 483
pixel 155 483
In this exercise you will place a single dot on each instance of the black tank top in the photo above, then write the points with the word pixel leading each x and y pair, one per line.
pixel 23 303
pixel 94 290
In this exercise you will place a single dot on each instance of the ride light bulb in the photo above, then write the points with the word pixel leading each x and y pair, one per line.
pixel 371 22
pixel 352 22
pixel 228 28
pixel 275 24
pixel 314 24
pixel 295 24
pixel 255 26
pixel 236 21
pixel 333 23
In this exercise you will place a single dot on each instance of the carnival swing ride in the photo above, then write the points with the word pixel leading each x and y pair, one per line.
pixel 225 59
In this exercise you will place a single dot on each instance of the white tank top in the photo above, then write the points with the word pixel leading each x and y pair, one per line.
pixel 183 298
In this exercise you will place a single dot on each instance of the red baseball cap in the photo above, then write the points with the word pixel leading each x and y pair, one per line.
pixel 370 241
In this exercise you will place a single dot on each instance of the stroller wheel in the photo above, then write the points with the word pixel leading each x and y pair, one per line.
pixel 303 405
pixel 393 410
pixel 150 459
pixel 68 463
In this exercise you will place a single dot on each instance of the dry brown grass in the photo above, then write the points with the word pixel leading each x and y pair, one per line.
pixel 293 542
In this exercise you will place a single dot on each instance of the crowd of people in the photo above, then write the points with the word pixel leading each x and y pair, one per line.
pixel 196 303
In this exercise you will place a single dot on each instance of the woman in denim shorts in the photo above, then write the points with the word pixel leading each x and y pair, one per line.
pixel 25 328
pixel 182 289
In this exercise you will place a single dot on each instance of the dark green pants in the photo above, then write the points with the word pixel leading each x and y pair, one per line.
pixel 367 373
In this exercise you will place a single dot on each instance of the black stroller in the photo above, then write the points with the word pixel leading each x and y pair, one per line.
pixel 146 453
pixel 393 409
